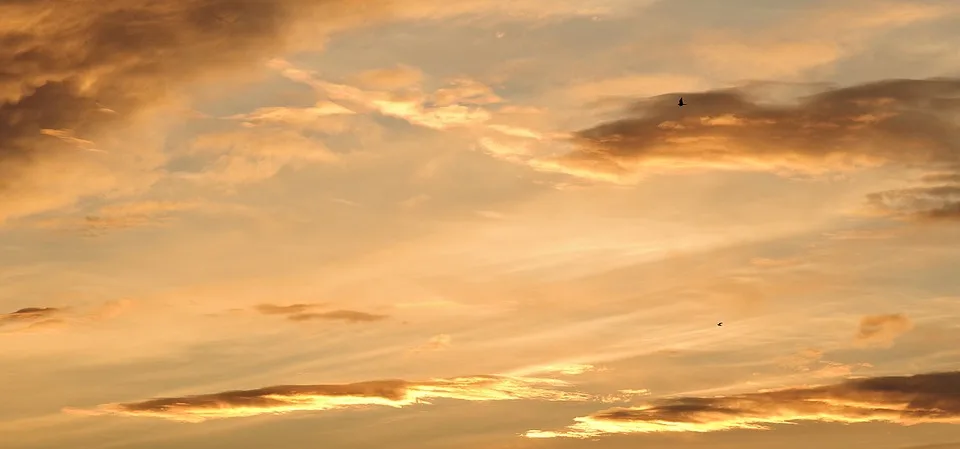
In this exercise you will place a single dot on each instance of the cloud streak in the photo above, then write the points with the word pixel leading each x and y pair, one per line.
pixel 300 398
pixel 904 400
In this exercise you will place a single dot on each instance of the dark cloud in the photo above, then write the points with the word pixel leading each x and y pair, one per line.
pixel 302 312
pixel 906 400
pixel 291 398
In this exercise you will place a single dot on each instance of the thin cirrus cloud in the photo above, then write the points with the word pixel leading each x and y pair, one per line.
pixel 305 312
pixel 905 400
pixel 301 398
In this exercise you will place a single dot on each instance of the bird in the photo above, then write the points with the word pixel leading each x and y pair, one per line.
pixel 720 323
pixel 681 102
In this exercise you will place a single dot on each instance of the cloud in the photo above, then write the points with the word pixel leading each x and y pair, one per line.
pixel 882 329
pixel 887 122
pixel 933 203
pixel 391 78
pixel 93 66
pixel 292 309
pixel 253 155
pixel 31 318
pixel 119 216
pixel 352 316
pixel 458 104
pixel 303 312
pixel 905 400
pixel 807 40
pixel 435 343
pixel 323 116
pixel 73 75
pixel 297 398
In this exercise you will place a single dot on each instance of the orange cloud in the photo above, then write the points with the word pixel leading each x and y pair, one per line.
pixel 294 398
pixel 905 400
pixel 882 329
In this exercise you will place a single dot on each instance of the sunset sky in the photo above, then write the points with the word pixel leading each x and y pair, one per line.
pixel 479 224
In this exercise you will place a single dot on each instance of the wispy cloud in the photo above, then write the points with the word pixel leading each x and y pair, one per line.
pixel 297 398
pixel 906 400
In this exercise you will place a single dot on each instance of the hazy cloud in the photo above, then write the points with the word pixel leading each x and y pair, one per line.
pixel 293 398
pixel 905 400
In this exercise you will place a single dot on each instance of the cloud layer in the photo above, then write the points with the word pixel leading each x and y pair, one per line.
pixel 905 400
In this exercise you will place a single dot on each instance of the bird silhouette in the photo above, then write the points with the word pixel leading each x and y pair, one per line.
pixel 681 103
pixel 720 323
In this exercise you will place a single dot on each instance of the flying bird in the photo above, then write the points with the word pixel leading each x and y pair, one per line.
pixel 681 102
pixel 720 323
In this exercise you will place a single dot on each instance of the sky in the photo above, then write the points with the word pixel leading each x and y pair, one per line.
pixel 479 224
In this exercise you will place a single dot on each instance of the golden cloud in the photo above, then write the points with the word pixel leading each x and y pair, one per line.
pixel 905 400
pixel 298 398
